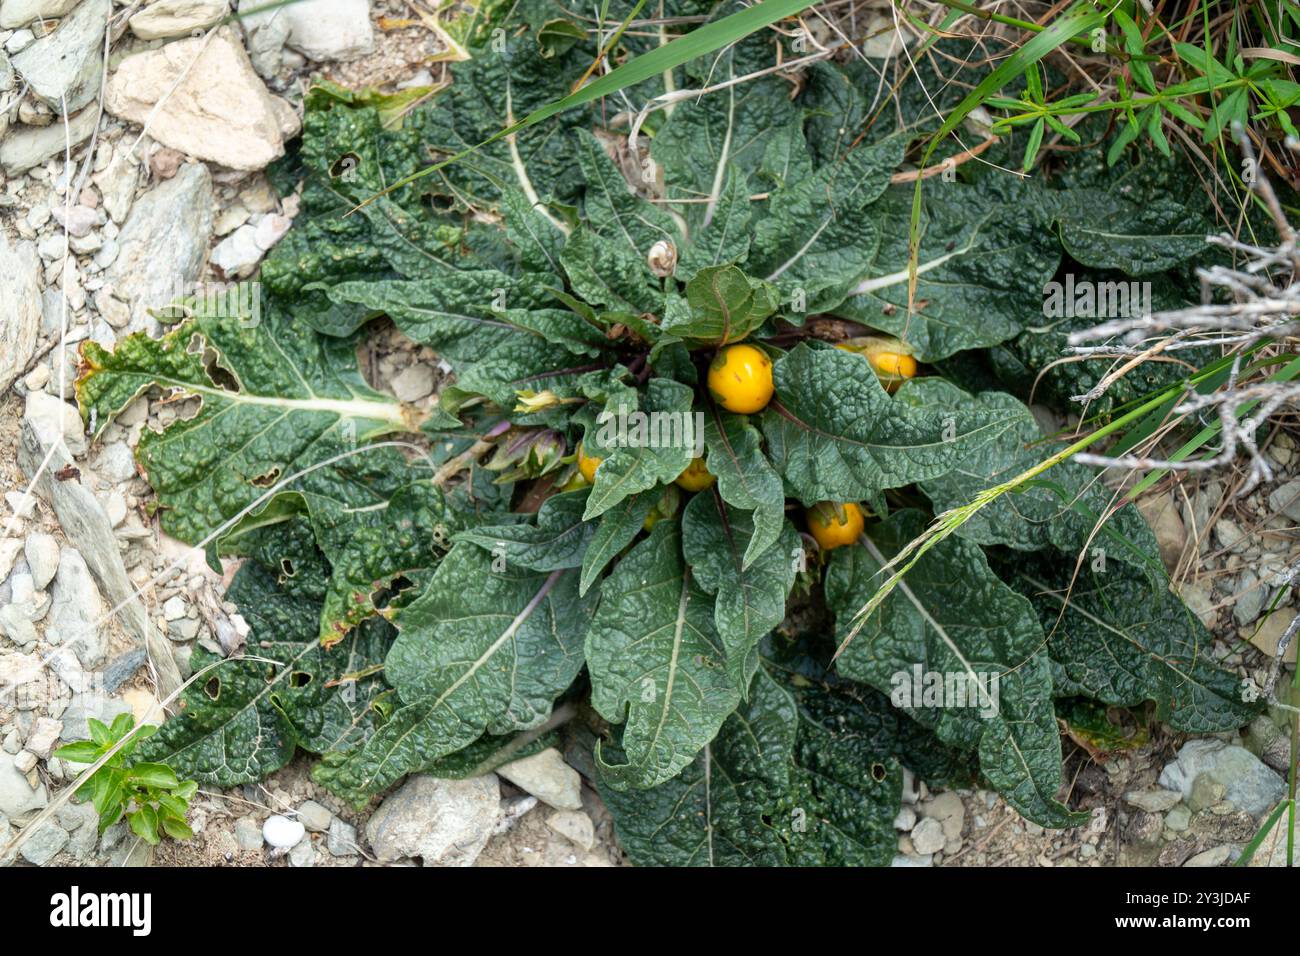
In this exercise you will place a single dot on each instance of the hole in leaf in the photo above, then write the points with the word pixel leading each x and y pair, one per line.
pixel 213 688
pixel 286 566
pixel 878 772
pixel 268 479
pixel 299 679
pixel 222 377
pixel 345 166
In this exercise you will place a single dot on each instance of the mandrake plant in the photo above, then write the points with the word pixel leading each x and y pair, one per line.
pixel 692 420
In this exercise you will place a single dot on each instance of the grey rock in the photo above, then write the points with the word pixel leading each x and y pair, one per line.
pixel 74 617
pixel 903 861
pixel 115 463
pixel 282 833
pixel 86 705
pixel 81 843
pixel 905 820
pixel 18 798
pixel 314 817
pixel 303 855
pixel 927 836
pixel 43 736
pixel 1179 818
pixel 443 822
pixel 575 826
pixel 1249 598
pixel 330 29
pixel 120 669
pixel 16 624
pixel 42 552
pixel 248 833
pixel 1250 785
pixel 21 148
pixel 1285 499
pixel 20 292
pixel 176 18
pixel 1207 792
pixel 84 522
pixel 1153 801
pixel 132 853
pixel 203 98
pixel 548 778
pixel 64 69
pixel 73 816
pixel 43 845
pixel 1267 742
pixel 1215 856
pixel 948 809
pixel 413 383
pixel 163 242
pixel 342 839
pixel 19 13
pixel 55 419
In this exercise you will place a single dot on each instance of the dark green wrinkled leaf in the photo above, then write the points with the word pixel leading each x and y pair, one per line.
pixel 1062 510
pixel 655 452
pixel 834 434
pixel 814 239
pixel 559 539
pixel 745 477
pixel 951 617
pixel 1114 637
pixel 750 601
pixel 983 262
pixel 481 650
pixel 617 527
pixel 657 663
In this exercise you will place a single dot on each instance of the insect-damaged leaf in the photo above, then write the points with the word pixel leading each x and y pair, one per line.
pixel 244 720
pixel 272 398
pixel 797 776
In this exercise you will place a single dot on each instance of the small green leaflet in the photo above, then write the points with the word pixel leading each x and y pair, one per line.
pixel 725 306
pixel 657 663
pixel 558 539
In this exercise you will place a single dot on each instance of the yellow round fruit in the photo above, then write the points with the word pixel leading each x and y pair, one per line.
pixel 888 357
pixel 587 464
pixel 696 477
pixel 893 368
pixel 834 528
pixel 740 378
